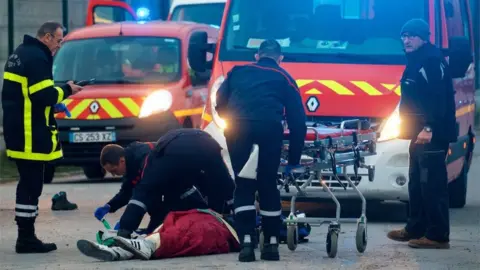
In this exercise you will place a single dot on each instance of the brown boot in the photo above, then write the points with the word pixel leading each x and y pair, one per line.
pixel 428 244
pixel 400 235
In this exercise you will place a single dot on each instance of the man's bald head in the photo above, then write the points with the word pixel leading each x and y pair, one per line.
pixel 270 48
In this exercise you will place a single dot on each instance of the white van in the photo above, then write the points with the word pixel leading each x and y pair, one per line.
pixel 200 11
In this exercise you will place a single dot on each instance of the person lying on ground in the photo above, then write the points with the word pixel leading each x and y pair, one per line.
pixel 194 232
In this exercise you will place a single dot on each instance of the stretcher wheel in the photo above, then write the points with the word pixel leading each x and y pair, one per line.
pixel 361 237
pixel 292 237
pixel 332 243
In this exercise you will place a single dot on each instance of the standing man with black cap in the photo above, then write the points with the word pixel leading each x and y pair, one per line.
pixel 427 110
pixel 254 99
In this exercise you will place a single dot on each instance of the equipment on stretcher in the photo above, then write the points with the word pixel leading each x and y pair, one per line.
pixel 330 149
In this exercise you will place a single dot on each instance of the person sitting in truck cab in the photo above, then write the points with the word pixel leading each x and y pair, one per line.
pixel 152 60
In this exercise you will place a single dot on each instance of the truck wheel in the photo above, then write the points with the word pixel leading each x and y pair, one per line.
pixel 94 172
pixel 49 173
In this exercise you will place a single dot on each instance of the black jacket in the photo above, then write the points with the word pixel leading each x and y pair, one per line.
pixel 264 92
pixel 28 98
pixel 428 96
pixel 135 155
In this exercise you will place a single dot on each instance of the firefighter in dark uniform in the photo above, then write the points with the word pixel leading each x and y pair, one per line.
pixel 184 170
pixel 30 130
pixel 427 110
pixel 253 99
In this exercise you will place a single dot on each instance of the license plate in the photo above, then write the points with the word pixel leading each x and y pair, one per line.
pixel 89 137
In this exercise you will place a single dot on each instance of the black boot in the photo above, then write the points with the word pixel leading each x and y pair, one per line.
pixel 247 249
pixel 27 241
pixel 270 250
pixel 60 202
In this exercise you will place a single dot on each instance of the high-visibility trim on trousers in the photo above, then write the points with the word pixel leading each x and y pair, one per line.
pixel 270 213
pixel 26 211
pixel 245 208
pixel 138 203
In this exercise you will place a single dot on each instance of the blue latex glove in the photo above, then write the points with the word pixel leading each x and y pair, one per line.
pixel 100 212
pixel 289 168
pixel 60 107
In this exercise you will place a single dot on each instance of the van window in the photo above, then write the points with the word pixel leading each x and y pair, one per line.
pixel 110 14
pixel 119 60
pixel 210 14
pixel 335 31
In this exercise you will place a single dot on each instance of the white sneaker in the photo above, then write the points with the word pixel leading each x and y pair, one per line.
pixel 103 253
pixel 140 247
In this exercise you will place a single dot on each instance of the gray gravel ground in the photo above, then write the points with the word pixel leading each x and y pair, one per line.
pixel 65 228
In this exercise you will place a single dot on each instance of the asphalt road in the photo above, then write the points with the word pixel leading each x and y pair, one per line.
pixel 65 228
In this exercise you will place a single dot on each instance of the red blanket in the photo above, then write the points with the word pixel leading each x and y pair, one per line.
pixel 193 233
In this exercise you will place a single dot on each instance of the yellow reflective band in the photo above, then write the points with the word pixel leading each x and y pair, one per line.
pixel 336 87
pixel 207 117
pixel 367 88
pixel 188 112
pixel 40 86
pixel 35 156
pixel 27 109
pixel 60 94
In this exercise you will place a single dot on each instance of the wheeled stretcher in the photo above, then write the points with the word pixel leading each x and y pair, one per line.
pixel 329 149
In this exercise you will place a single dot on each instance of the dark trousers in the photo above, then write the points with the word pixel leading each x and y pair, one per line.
pixel 240 139
pixel 428 192
pixel 29 189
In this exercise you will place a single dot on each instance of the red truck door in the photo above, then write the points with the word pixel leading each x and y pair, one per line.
pixel 109 11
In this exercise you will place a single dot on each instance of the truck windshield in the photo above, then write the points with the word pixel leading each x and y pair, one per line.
pixel 325 31
pixel 119 60
pixel 208 13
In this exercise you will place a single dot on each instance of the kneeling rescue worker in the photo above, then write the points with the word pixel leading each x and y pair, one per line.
pixel 254 98
pixel 164 177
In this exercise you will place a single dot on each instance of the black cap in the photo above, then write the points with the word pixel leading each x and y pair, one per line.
pixel 270 47
pixel 417 27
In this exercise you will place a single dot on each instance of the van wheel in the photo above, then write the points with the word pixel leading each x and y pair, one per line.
pixel 457 189
pixel 94 172
pixel 49 173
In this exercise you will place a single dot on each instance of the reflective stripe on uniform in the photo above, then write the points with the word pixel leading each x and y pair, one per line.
pixel 271 213
pixel 230 202
pixel 188 193
pixel 245 208
pixel 60 94
pixel 34 156
pixel 27 109
pixel 138 203
pixel 26 211
pixel 27 119
pixel 40 86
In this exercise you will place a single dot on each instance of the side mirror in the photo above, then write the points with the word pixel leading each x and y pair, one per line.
pixel 197 51
pixel 460 56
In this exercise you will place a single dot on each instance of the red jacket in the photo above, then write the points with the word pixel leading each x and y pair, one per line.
pixel 195 232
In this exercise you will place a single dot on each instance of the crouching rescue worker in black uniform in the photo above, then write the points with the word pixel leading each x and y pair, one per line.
pixel 30 129
pixel 253 99
pixel 174 174
pixel 427 110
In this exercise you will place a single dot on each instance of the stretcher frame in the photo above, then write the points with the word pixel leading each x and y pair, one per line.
pixel 330 154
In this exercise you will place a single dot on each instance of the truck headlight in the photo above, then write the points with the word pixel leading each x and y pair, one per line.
pixel 391 127
pixel 213 103
pixel 156 102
